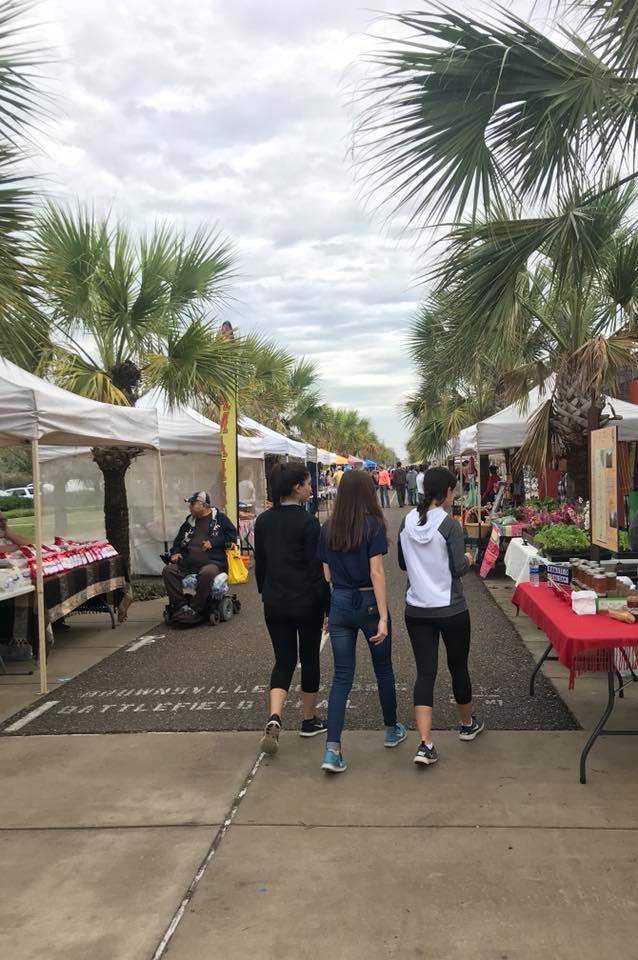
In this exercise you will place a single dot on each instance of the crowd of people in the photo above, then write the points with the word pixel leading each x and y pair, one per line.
pixel 406 482
pixel 311 576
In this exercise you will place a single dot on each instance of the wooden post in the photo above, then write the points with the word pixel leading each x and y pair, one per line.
pixel 162 494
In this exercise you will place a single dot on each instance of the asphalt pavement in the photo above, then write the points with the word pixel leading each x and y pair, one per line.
pixel 216 678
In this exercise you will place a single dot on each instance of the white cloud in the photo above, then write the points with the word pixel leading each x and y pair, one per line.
pixel 235 114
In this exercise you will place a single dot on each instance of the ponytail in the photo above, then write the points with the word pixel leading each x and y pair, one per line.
pixel 423 508
pixel 437 482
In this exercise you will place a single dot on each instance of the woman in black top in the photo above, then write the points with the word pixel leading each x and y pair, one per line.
pixel 294 593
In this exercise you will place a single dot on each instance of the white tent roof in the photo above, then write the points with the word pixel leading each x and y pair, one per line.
pixel 184 430
pixel 33 409
pixel 507 428
pixel 275 442
pixel 318 455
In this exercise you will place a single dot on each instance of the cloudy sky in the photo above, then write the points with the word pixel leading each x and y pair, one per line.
pixel 239 114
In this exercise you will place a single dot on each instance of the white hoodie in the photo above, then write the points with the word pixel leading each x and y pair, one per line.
pixel 434 556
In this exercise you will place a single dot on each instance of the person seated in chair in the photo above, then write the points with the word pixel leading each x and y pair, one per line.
pixel 199 547
pixel 10 542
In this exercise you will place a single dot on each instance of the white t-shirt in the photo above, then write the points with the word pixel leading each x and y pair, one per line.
pixel 419 483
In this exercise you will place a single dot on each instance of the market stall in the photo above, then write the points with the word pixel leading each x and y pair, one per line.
pixel 275 443
pixel 190 459
pixel 506 430
pixel 33 411
pixel 583 644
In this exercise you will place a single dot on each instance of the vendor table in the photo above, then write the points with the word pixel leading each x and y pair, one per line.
pixel 583 644
pixel 20 591
pixel 517 558
pixel 84 589
pixel 247 532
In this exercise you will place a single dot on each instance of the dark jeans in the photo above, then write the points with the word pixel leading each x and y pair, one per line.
pixel 173 574
pixel 286 631
pixel 424 637
pixel 400 489
pixel 351 611
pixel 412 496
pixel 384 494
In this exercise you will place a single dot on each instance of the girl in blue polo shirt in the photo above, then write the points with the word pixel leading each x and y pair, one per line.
pixel 351 547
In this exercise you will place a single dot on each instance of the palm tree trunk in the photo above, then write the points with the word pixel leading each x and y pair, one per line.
pixel 114 462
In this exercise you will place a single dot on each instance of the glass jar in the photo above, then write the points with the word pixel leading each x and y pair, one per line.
pixel 612 581
pixel 600 584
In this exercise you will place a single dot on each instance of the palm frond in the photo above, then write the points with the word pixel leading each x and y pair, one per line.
pixel 533 452
pixel 78 375
pixel 470 112
pixel 198 365
pixel 614 25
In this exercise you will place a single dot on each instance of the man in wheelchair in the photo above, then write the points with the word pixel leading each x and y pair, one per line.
pixel 200 548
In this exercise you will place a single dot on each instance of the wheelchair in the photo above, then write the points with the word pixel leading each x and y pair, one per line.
pixel 221 606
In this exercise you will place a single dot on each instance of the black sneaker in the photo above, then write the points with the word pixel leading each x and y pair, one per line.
pixel 270 741
pixel 426 755
pixel 472 730
pixel 310 728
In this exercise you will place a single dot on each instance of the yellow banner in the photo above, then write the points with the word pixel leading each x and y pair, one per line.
pixel 228 425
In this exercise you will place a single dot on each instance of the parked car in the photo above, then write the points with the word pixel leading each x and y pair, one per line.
pixel 20 492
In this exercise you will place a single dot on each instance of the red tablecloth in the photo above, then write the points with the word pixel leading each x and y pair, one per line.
pixel 584 644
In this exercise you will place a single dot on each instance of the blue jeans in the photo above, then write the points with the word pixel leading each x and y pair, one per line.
pixel 384 494
pixel 351 611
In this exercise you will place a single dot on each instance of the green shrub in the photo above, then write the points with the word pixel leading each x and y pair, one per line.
pixel 148 589
pixel 21 512
pixel 14 503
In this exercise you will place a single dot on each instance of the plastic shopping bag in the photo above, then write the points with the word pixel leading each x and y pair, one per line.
pixel 237 570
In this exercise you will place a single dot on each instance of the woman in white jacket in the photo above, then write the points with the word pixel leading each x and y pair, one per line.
pixel 431 549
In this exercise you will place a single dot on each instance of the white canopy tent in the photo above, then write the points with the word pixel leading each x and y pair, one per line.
pixel 190 459
pixel 34 411
pixel 506 430
pixel 274 442
pixel 317 455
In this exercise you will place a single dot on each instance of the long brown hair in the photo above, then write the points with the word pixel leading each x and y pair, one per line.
pixel 356 501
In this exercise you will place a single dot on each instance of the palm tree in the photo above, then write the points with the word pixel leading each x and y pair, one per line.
pixel 527 142
pixel 580 321
pixel 464 381
pixel 23 335
pixel 129 315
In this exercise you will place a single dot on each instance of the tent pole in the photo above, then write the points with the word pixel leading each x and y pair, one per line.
pixel 478 479
pixel 162 499
pixel 39 579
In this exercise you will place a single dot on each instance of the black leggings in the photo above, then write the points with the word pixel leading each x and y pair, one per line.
pixel 424 636
pixel 284 629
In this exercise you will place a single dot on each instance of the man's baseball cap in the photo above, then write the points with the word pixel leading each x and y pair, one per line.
pixel 200 495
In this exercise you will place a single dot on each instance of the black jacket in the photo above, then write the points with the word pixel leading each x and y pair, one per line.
pixel 289 575
pixel 221 534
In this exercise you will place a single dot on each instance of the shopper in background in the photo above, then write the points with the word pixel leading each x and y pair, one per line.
pixel 399 482
pixel 352 546
pixel 431 549
pixel 410 479
pixel 295 596
pixel 491 489
pixel 384 486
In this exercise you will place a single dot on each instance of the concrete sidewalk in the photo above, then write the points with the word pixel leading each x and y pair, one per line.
pixel 496 852
pixel 138 847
